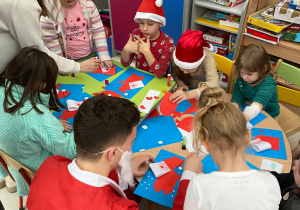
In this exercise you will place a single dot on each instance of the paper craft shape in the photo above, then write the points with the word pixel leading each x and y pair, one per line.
pixel 186 123
pixel 154 113
pixel 120 85
pixel 274 137
pixel 162 190
pixel 249 125
pixel 65 115
pixel 100 76
pixel 149 138
pixel 259 145
pixel 148 101
pixel 73 105
pixel 166 107
pixel 188 107
pixel 159 168
pixel 109 71
pixel 210 166
pixel 76 93
pixel 260 117
pixel 136 84
pixel 271 166
pixel 61 93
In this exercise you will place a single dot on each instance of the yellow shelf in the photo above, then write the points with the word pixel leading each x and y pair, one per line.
pixel 215 24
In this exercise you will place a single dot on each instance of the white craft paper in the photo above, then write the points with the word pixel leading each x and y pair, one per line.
pixel 136 84
pixel 73 105
pixel 146 103
pixel 271 166
pixel 105 69
pixel 249 125
pixel 259 145
pixel 159 169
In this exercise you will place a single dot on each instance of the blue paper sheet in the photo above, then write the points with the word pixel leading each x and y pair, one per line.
pixel 115 84
pixel 101 77
pixel 183 106
pixel 76 93
pixel 161 130
pixel 279 154
pixel 210 166
pixel 145 188
pixel 260 117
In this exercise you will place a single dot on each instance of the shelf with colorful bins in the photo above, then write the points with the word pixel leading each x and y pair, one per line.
pixel 200 7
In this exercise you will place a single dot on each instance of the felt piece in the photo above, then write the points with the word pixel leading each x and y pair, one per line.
pixel 100 76
pixel 167 108
pixel 161 190
pixel 274 137
pixel 160 129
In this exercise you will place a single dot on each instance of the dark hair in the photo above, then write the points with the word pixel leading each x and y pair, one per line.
pixel 36 72
pixel 254 58
pixel 103 121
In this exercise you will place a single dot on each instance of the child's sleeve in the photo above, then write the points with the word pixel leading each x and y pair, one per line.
pixel 50 35
pixel 237 95
pixel 265 92
pixel 49 133
pixel 175 73
pixel 98 33
pixel 209 65
pixel 160 67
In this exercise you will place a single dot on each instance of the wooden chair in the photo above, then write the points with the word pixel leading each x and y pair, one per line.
pixel 28 175
pixel 288 120
pixel 226 66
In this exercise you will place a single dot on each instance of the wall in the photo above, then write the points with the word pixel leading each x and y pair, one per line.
pixel 271 2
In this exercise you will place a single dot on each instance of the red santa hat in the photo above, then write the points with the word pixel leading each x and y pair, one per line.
pixel 151 9
pixel 189 52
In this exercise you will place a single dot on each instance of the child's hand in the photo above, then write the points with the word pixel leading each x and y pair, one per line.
pixel 132 46
pixel 144 46
pixel 107 63
pixel 90 65
pixel 179 96
pixel 66 125
pixel 193 163
pixel 137 164
pixel 183 87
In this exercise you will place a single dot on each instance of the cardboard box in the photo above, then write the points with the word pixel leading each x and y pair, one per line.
pixel 229 23
pixel 216 36
pixel 272 25
pixel 221 49
pixel 232 41
pixel 283 12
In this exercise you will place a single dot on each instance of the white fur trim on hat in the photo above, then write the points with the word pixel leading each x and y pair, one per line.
pixel 186 65
pixel 158 3
pixel 151 16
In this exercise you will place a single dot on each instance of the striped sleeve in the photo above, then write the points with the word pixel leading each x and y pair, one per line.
pixel 50 35
pixel 98 33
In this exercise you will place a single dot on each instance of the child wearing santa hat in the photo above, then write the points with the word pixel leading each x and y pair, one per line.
pixel 193 67
pixel 148 44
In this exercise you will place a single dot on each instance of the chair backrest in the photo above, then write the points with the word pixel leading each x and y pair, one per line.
pixel 18 167
pixel 292 74
pixel 226 66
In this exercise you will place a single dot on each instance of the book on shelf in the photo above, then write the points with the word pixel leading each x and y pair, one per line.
pixel 211 15
pixel 228 3
pixel 293 27
pixel 293 36
pixel 216 36
pixel 229 17
pixel 229 23
pixel 263 33
pixel 262 39
pixel 221 49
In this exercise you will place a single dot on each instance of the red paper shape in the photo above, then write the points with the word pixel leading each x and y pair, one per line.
pixel 130 79
pixel 173 162
pixel 142 107
pixel 63 94
pixel 186 124
pixel 194 108
pixel 149 98
pixel 112 71
pixel 67 114
pixel 106 92
pixel 167 108
pixel 99 70
pixel 272 140
pixel 156 97
pixel 57 86
pixel 154 113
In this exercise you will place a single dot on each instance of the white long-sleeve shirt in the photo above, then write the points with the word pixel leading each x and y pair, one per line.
pixel 20 27
pixel 247 190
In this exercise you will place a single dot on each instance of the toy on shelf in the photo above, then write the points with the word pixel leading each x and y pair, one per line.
pixel 283 12
pixel 228 3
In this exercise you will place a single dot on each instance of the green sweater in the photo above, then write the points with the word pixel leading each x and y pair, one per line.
pixel 264 93
pixel 32 137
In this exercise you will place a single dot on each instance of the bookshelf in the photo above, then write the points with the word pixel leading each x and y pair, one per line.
pixel 200 7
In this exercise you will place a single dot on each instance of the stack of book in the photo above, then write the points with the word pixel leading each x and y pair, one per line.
pixel 219 40
pixel 228 3
pixel 291 33
pixel 228 20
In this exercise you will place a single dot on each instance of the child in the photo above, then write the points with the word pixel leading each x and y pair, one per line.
pixel 193 66
pixel 104 129
pixel 80 34
pixel 29 132
pixel 255 84
pixel 221 129
pixel 151 47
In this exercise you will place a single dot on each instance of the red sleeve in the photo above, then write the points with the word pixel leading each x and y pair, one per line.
pixel 180 197
pixel 160 67
pixel 127 63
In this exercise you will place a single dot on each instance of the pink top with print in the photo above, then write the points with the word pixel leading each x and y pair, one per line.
pixel 161 49
pixel 75 28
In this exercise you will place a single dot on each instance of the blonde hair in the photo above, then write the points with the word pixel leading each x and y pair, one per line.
pixel 221 124
pixel 254 58
pixel 210 95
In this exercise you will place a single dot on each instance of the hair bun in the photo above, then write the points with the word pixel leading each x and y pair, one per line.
pixel 210 96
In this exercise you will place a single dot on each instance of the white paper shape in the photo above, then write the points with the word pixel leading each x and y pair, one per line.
pixel 136 84
pixel 73 105
pixel 159 169
pixel 104 69
pixel 259 145
pixel 148 101
pixel 271 166
pixel 249 125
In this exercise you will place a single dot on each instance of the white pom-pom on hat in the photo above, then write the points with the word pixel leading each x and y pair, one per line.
pixel 158 3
